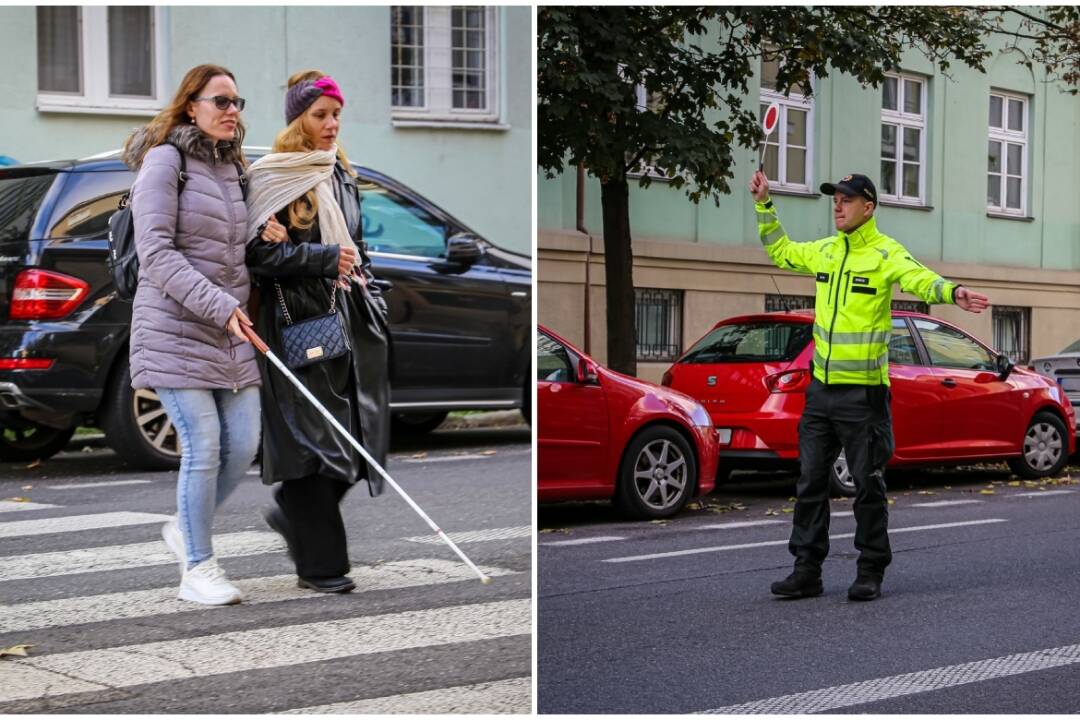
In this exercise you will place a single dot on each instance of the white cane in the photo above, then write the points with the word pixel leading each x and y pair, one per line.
pixel 265 350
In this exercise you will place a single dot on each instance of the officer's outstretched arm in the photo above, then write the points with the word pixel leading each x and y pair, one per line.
pixel 784 252
pixel 921 281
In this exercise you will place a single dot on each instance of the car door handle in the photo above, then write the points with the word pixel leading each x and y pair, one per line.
pixel 948 382
pixel 384 285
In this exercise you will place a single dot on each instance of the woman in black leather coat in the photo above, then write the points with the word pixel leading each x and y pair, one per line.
pixel 314 465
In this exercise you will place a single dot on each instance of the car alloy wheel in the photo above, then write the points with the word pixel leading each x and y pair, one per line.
pixel 30 441
pixel 660 475
pixel 843 484
pixel 154 423
pixel 1043 446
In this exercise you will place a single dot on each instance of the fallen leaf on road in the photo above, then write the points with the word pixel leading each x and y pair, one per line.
pixel 489 452
pixel 31 466
pixel 787 510
pixel 948 487
pixel 660 522
pixel 791 499
pixel 17 499
pixel 927 492
pixel 987 492
pixel 770 511
pixel 19 650
pixel 1014 483
pixel 553 530
pixel 87 449
pixel 419 455
pixel 892 501
pixel 27 487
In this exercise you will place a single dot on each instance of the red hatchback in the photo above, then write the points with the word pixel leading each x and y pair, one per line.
pixel 954 399
pixel 604 435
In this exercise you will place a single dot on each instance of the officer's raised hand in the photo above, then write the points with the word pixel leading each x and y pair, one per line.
pixel 970 300
pixel 759 186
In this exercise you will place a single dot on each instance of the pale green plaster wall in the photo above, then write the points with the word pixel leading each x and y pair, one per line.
pixel 482 176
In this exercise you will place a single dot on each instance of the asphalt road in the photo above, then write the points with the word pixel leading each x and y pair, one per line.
pixel 977 614
pixel 87 581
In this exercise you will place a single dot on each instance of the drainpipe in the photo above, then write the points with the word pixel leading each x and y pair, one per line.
pixel 588 249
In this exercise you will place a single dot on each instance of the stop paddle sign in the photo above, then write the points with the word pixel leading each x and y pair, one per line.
pixel 768 124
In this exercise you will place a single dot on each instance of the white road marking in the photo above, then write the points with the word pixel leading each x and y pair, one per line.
pixel 109 483
pixel 121 557
pixel 1045 493
pixel 501 696
pixel 22 617
pixel 74 523
pixel 583 541
pixel 744 546
pixel 445 458
pixel 843 513
pixel 740 524
pixel 12 506
pixel 868 691
pixel 945 503
pixel 509 533
pixel 234 652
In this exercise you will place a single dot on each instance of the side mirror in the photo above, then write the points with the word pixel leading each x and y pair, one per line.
pixel 463 249
pixel 1004 366
pixel 586 373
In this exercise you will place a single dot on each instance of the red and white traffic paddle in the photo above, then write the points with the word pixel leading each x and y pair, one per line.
pixel 262 347
pixel 768 124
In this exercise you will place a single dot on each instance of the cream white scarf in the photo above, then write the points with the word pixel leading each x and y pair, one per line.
pixel 275 180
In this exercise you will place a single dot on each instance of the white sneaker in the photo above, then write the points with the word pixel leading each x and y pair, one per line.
pixel 170 532
pixel 206 583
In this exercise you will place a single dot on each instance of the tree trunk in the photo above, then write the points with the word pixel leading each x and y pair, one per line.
pixel 618 273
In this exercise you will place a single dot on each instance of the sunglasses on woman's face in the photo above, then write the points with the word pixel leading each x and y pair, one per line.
pixel 222 102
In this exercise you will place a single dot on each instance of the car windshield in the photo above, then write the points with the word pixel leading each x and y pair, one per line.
pixel 751 342
pixel 1075 347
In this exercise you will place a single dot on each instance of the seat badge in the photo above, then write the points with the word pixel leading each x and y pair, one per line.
pixel 711 381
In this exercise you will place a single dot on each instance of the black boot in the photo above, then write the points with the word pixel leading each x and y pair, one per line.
pixel 341 584
pixel 867 586
pixel 277 521
pixel 799 584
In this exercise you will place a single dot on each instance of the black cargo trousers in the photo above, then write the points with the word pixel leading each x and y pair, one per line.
pixel 856 418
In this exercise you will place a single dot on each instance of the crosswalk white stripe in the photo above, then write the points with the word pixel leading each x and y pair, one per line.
pixel 12 506
pixel 74 523
pixel 89 670
pixel 122 557
pixel 1045 493
pixel 744 546
pixel 843 513
pixel 509 533
pixel 740 524
pixel 500 696
pixel 108 483
pixel 583 541
pixel 868 691
pixel 945 503
pixel 446 458
pixel 162 601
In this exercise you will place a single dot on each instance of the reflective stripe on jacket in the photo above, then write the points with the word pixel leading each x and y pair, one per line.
pixel 855 273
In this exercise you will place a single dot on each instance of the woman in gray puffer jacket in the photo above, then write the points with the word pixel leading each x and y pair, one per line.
pixel 186 342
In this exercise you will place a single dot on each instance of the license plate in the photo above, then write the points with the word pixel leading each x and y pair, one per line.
pixel 724 434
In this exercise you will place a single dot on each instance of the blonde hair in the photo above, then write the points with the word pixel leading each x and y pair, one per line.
pixel 293 138
pixel 175 113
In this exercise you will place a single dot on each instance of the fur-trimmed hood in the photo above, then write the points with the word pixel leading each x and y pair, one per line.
pixel 192 141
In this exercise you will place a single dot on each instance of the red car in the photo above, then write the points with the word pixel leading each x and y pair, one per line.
pixel 954 399
pixel 604 435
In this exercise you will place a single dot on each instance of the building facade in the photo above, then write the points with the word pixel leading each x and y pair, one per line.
pixel 436 97
pixel 978 176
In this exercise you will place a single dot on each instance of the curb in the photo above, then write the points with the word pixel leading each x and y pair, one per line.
pixel 493 419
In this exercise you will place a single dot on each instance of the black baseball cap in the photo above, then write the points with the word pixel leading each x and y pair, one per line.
pixel 852 185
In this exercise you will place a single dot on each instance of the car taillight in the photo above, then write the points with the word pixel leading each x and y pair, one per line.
pixel 46 295
pixel 790 381
pixel 666 380
pixel 25 364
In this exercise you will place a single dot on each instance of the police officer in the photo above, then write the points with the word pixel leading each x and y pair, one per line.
pixel 847 402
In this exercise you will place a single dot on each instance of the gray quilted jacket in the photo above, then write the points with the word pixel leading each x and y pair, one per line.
pixel 191 266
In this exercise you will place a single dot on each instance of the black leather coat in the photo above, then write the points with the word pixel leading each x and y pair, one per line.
pixel 297 439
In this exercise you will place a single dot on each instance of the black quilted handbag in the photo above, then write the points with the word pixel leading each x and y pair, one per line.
pixel 314 340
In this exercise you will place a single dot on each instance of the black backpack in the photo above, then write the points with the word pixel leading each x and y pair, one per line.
pixel 123 261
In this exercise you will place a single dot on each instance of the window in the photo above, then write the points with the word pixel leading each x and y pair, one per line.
pixel 788 149
pixel 1012 332
pixel 903 138
pixel 443 63
pixel 552 361
pixel 658 323
pixel 1006 174
pixel 751 342
pixel 950 348
pixel 902 349
pixel 911 306
pixel 776 303
pixel 395 225
pixel 100 59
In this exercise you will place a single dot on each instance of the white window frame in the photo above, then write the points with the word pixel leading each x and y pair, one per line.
pixel 1006 136
pixel 94 66
pixel 439 74
pixel 797 101
pixel 901 120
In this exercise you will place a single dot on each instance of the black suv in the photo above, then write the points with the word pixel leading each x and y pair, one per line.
pixel 460 313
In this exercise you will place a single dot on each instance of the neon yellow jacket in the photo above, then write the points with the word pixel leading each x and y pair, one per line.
pixel 853 309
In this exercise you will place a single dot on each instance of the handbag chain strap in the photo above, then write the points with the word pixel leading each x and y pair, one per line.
pixel 285 310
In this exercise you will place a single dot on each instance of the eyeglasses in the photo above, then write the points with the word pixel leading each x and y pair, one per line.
pixel 222 102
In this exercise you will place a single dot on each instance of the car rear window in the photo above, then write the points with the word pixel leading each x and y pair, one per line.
pixel 751 342
pixel 1075 347
pixel 20 198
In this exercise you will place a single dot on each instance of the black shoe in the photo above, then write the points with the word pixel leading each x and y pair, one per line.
pixel 865 587
pixel 799 585
pixel 275 518
pixel 327 585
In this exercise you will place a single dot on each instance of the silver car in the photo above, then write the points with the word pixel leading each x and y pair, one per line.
pixel 1064 369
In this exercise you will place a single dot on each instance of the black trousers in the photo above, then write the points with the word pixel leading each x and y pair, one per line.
pixel 312 509
pixel 856 418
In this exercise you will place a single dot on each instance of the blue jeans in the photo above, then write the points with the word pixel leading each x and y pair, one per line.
pixel 219 436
